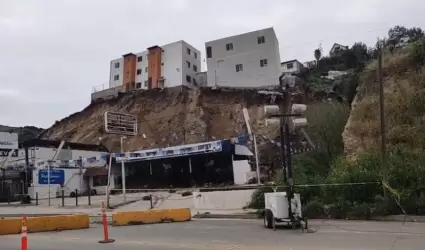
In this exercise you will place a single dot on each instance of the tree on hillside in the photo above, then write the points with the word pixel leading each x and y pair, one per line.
pixel 415 34
pixel 318 54
pixel 326 122
pixel 399 35
pixel 360 51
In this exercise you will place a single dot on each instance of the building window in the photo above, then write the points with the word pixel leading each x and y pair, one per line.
pixel 188 51
pixel 146 70
pixel 161 84
pixel 139 71
pixel 140 58
pixel 138 85
pixel 209 52
pixel 117 65
pixel 261 39
pixel 195 68
pixel 100 180
pixel 263 62
pixel 188 79
pixel 146 84
pixel 116 77
pixel 195 55
pixel 239 67
pixel 229 46
pixel 188 64
pixel 289 65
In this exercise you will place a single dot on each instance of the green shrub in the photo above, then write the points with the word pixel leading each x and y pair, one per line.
pixel 417 54
pixel 338 209
pixel 360 211
pixel 314 209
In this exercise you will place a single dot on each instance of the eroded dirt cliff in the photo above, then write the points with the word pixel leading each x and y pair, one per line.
pixel 168 117
pixel 404 104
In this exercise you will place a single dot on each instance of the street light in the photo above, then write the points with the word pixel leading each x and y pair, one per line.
pixel 274 114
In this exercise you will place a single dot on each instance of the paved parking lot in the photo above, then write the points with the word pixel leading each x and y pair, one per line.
pixel 234 234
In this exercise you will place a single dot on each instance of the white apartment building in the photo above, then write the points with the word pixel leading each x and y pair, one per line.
pixel 165 66
pixel 246 60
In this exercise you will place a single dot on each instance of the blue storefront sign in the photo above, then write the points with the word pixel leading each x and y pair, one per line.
pixel 57 176
pixel 176 151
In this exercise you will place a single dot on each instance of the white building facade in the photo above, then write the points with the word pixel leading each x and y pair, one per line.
pixel 244 61
pixel 165 66
pixel 292 67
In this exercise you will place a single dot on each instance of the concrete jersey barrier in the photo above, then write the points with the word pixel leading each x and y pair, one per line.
pixel 222 200
pixel 151 216
pixel 45 223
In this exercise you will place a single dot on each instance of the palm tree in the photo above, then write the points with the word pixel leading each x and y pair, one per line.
pixel 318 54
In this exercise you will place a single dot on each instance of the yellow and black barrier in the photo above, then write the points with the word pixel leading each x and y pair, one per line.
pixel 151 216
pixel 45 223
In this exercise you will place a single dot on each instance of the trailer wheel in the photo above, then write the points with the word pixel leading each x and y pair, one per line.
pixel 72 194
pixel 268 219
pixel 93 192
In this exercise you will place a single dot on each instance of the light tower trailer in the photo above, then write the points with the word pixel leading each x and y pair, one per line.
pixel 277 211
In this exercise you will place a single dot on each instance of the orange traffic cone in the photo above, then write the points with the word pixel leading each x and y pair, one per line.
pixel 24 242
pixel 105 227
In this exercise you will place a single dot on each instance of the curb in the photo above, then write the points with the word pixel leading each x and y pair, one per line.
pixel 123 204
pixel 227 216
pixel 392 218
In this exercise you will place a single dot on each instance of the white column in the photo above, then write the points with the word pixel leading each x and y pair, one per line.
pixel 123 169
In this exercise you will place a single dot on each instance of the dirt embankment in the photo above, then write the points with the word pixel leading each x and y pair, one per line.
pixel 167 117
pixel 404 104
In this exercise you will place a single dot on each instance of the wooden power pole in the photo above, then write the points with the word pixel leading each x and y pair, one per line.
pixel 382 120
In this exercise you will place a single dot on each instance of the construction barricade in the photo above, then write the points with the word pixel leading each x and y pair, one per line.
pixel 151 216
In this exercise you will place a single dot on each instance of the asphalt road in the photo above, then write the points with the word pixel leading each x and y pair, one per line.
pixel 233 234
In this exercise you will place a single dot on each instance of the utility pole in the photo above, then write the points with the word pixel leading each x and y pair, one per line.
pixel 382 118
pixel 286 112
pixel 285 140
pixel 283 107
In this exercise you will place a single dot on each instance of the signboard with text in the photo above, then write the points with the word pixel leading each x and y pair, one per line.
pixel 5 152
pixel 8 140
pixel 57 176
pixel 176 151
pixel 120 123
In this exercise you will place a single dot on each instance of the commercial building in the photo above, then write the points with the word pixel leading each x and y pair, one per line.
pixel 213 163
pixel 246 60
pixel 75 166
pixel 164 66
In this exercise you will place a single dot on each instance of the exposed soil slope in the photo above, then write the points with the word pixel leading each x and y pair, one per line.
pixel 167 117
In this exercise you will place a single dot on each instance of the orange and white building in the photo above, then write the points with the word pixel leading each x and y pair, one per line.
pixel 165 66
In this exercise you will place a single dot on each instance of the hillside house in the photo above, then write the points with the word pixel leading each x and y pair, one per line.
pixel 337 49
pixel 292 67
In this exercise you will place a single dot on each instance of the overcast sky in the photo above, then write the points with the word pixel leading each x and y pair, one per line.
pixel 52 52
